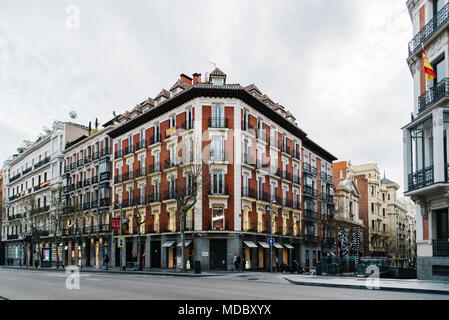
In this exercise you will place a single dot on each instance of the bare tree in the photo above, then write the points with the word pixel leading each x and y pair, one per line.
pixel 56 217
pixel 140 220
pixel 34 227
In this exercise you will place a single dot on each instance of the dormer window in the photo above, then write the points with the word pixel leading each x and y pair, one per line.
pixel 218 81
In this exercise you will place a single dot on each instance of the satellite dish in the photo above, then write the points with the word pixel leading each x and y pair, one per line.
pixel 73 115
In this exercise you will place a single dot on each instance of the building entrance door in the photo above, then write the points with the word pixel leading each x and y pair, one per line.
pixel 155 254
pixel 442 224
pixel 87 253
pixel 218 249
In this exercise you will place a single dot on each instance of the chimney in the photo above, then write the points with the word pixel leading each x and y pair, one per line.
pixel 186 79
pixel 196 78
pixel 206 77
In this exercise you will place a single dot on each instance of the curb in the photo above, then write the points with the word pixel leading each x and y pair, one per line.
pixel 155 273
pixel 350 286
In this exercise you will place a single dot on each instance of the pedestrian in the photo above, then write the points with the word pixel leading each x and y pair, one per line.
pixel 277 263
pixel 106 261
pixel 239 259
pixel 235 262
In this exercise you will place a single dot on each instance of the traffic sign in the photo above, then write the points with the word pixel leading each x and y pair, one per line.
pixel 271 241
pixel 115 224
pixel 121 242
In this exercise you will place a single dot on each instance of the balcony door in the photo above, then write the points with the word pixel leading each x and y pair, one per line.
pixel 442 224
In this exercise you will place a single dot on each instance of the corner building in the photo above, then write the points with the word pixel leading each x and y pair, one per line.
pixel 425 138
pixel 253 156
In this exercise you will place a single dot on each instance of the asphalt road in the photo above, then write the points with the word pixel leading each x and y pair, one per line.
pixel 51 285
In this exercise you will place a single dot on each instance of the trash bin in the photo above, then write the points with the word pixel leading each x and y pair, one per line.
pixel 197 266
pixel 318 268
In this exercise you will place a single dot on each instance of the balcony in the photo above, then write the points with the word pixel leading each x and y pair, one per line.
pixel 286 149
pixel 275 171
pixel 296 179
pixel 95 155
pixel 246 126
pixel 169 195
pixel 66 169
pixel 42 162
pixel 118 154
pixel 223 191
pixel 105 202
pixel 286 175
pixel 248 192
pixel 168 164
pixel 310 213
pixel 218 155
pixel 139 172
pixel 274 142
pixel 261 135
pixel 440 247
pixel 420 179
pixel 94 204
pixel 310 191
pixel 140 145
pixel 79 184
pixel 128 150
pixel 95 179
pixel 40 210
pixel 73 165
pixel 307 168
pixel 434 95
pixel 80 162
pixel 26 171
pixel 263 196
pixel 86 206
pixel 310 238
pixel 87 182
pixel 105 151
pixel 188 125
pixel 88 159
pixel 12 236
pixel 128 176
pixel 247 159
pixel 219 122
pixel 429 30
pixel 154 139
pixel 118 179
pixel 323 176
pixel 154 168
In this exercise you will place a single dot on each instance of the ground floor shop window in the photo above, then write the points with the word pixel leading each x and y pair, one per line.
pixel 218 218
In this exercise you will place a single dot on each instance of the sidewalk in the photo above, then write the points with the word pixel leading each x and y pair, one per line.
pixel 159 272
pixel 422 286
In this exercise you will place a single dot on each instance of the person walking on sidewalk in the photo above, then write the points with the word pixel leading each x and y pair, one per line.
pixel 239 260
pixel 106 261
pixel 235 262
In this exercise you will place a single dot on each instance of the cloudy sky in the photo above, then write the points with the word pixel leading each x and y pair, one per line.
pixel 339 66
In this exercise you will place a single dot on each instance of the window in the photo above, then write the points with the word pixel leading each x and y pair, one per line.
pixel 172 121
pixel 217 183
pixel 259 188
pixel 272 191
pixel 422 146
pixel 383 212
pixel 156 161
pixel 217 218
pixel 217 152
pixel 372 224
pixel 372 190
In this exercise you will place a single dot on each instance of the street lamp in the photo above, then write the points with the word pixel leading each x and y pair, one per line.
pixel 271 232
pixel 121 249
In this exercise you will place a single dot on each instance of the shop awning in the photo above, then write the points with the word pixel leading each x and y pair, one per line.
pixel 167 244
pixel 264 244
pixel 288 246
pixel 187 243
pixel 277 245
pixel 250 244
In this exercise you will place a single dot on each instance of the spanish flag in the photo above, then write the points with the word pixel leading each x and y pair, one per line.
pixel 170 131
pixel 428 70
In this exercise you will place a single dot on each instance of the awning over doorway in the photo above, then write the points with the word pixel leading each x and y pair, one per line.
pixel 288 246
pixel 277 245
pixel 264 244
pixel 250 244
pixel 167 244
pixel 187 243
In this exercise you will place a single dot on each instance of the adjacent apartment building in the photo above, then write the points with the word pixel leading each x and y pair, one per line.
pixel 253 157
pixel 31 196
pixel 425 138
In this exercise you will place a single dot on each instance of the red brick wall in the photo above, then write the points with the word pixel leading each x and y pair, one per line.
pixel 362 185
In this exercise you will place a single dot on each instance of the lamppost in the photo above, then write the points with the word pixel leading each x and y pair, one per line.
pixel 271 232
pixel 121 248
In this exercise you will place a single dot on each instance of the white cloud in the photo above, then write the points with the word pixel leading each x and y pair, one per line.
pixel 339 66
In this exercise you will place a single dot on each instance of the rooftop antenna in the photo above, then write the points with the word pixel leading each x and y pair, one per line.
pixel 215 65
pixel 73 115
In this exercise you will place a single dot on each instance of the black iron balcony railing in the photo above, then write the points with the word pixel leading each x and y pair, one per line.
pixel 79 184
pixel 40 210
pixel 154 139
pixel 156 197
pixel 314 170
pixel 169 163
pixel 310 191
pixel 169 195
pixel 105 151
pixel 296 205
pixel 286 175
pixel 329 178
pixel 118 178
pixel 14 178
pixel 42 162
pixel 420 179
pixel 323 176
pixel 80 162
pixel 26 171
pixel 118 154
pixel 105 202
pixel 152 168
pixel 128 176
pixel 95 179
pixel 128 150
pixel 296 179
pixel 87 182
pixel 429 29
pixel 263 196
pixel 307 168
pixel 139 172
pixel 95 156
pixel 261 135
pixel 86 206
pixel 66 169
pixel 218 122
pixel 440 247
pixel 248 159
pixel 140 145
pixel 218 155
pixel 88 159
pixel 434 95
pixel 94 204
pixel 12 236
pixel 446 166
pixel 248 192
pixel 219 190
pixel 275 171
pixel 187 125
pixel 246 126
pixel 310 213
pixel 285 148
pixel 310 238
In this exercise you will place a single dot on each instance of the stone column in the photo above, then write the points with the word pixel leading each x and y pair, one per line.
pixel 163 253
pixel 201 245
pixel 438 142
pixel 148 253
pixel 233 246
